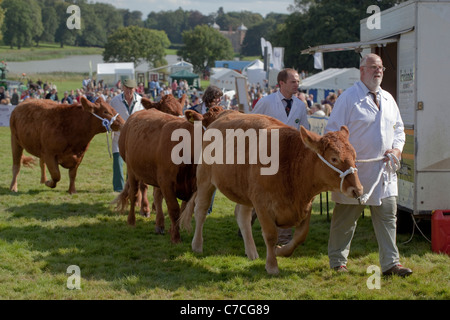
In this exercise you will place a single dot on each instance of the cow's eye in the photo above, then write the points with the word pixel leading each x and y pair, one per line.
pixel 334 160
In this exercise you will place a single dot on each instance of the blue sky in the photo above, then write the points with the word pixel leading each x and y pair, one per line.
pixel 204 6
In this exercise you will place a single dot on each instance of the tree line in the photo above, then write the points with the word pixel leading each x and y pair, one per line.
pixel 26 23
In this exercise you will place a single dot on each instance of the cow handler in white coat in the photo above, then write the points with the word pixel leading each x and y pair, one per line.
pixel 126 103
pixel 376 131
pixel 286 107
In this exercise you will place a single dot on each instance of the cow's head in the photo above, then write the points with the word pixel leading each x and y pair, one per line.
pixel 206 119
pixel 103 111
pixel 168 104
pixel 338 168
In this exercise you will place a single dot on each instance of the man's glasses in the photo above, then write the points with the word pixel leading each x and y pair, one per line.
pixel 374 68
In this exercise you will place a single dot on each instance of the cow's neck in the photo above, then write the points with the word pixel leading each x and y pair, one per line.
pixel 82 128
pixel 310 184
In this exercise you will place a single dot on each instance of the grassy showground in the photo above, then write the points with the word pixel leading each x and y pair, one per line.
pixel 44 231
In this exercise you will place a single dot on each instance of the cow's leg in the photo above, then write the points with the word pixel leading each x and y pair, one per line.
pixel 72 176
pixel 173 209
pixel 133 190
pixel 17 152
pixel 270 234
pixel 52 165
pixel 301 231
pixel 145 207
pixel 244 219
pixel 205 191
pixel 157 202
pixel 43 173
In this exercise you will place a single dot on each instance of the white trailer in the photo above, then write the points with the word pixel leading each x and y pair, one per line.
pixel 413 40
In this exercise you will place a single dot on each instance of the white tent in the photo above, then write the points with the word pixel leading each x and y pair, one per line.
pixel 181 65
pixel 331 79
pixel 110 73
pixel 224 78
pixel 255 73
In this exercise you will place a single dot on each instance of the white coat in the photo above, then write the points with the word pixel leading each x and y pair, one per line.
pixel 272 105
pixel 372 133
pixel 118 105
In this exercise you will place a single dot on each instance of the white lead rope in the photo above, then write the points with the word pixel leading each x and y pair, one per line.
pixel 393 165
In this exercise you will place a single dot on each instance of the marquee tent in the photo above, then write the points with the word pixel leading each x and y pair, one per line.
pixel 329 80
pixel 224 78
pixel 191 78
pixel 110 73
pixel 255 73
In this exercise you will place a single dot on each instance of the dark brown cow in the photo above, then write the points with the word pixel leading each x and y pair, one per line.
pixel 146 145
pixel 282 199
pixel 58 134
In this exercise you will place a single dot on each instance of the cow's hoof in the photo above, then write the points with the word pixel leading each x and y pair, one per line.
pixel 145 214
pixel 50 184
pixel 159 230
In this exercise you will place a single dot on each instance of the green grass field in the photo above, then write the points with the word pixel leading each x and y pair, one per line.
pixel 44 231
pixel 45 51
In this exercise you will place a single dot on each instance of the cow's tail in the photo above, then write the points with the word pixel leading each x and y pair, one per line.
pixel 29 162
pixel 122 200
pixel 186 215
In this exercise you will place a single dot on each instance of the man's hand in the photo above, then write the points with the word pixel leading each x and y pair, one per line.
pixel 396 153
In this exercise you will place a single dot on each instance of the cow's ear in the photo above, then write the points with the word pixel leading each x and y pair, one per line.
pixel 87 105
pixel 192 116
pixel 345 132
pixel 182 100
pixel 99 100
pixel 310 139
pixel 148 104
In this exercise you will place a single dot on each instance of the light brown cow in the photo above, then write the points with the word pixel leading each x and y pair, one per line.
pixel 58 134
pixel 170 105
pixel 146 145
pixel 283 199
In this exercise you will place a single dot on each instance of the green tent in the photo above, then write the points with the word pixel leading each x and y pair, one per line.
pixel 191 78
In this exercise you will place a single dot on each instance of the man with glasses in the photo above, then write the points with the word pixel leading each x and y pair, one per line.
pixel 126 103
pixel 376 129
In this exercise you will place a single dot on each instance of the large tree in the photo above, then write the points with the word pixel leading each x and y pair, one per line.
pixel 203 46
pixel 22 23
pixel 318 22
pixel 136 44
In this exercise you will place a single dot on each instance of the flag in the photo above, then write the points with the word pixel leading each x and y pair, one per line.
pixel 318 60
pixel 278 55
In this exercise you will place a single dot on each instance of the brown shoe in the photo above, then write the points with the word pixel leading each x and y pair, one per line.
pixel 341 269
pixel 398 270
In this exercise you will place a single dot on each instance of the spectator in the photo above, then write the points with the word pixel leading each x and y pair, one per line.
pixel 52 95
pixel 66 99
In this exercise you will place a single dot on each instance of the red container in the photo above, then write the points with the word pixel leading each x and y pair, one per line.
pixel 440 231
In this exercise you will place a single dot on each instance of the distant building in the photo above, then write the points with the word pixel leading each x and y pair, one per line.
pixel 236 37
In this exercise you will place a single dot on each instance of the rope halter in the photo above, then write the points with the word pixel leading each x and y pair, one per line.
pixel 107 123
pixel 342 174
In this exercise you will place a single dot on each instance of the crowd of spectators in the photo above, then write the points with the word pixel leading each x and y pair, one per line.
pixel 155 91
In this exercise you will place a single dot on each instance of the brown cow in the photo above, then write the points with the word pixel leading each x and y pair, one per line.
pixel 281 199
pixel 58 134
pixel 170 105
pixel 146 145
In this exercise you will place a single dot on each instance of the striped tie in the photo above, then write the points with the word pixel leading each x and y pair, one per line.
pixel 288 106
pixel 374 97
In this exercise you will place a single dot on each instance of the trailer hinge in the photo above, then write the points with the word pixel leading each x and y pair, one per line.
pixel 420 105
